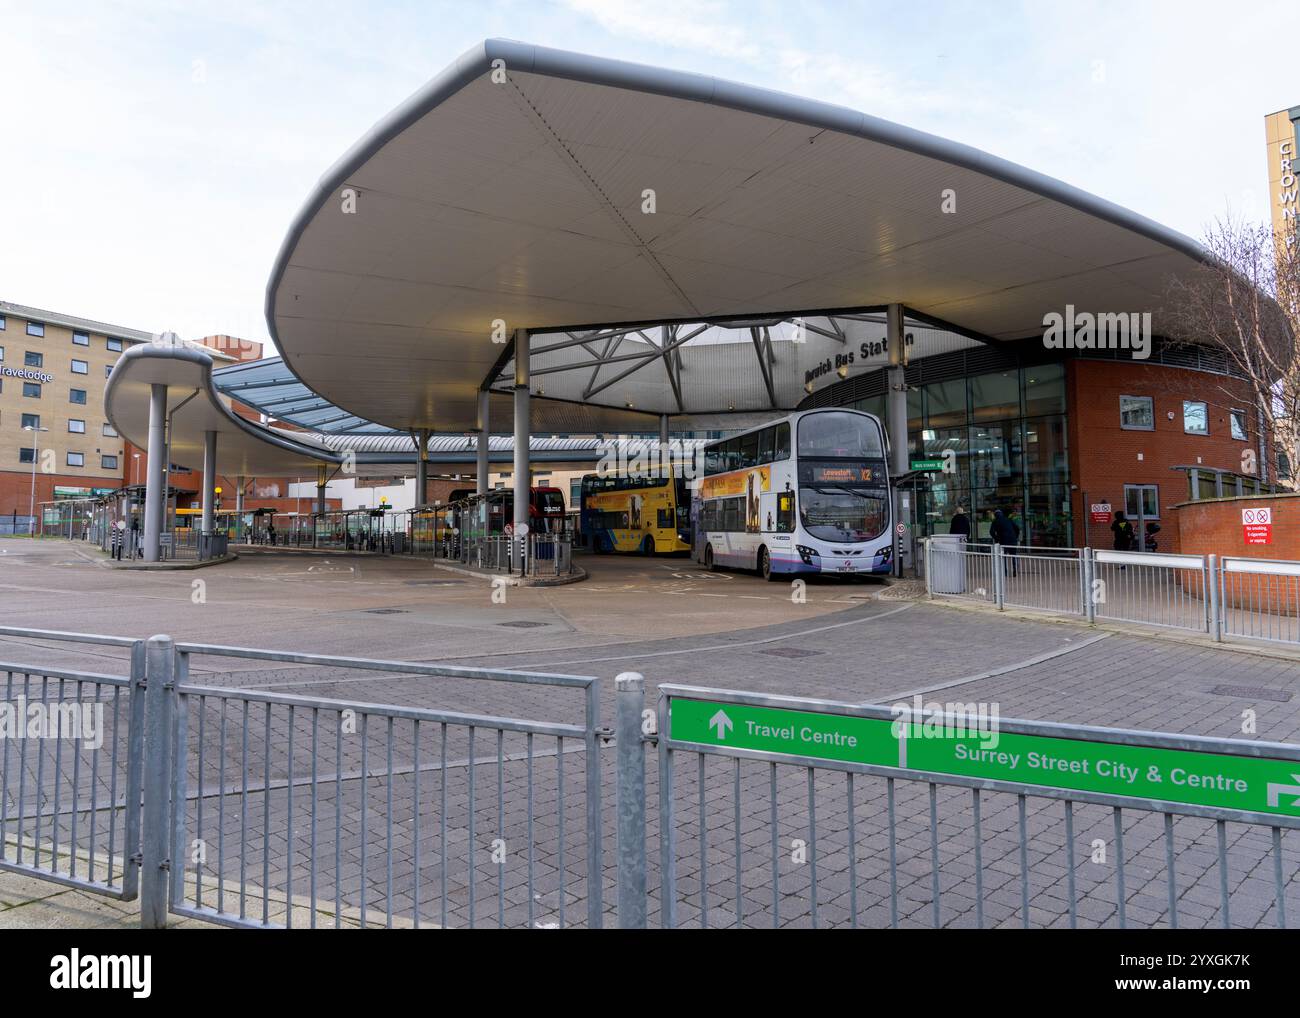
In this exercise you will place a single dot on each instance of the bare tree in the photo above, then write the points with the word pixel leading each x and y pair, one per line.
pixel 1245 301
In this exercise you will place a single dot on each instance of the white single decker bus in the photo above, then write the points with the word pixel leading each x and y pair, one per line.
pixel 808 493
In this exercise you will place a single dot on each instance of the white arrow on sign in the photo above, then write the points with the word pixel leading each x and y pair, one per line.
pixel 721 722
pixel 1274 791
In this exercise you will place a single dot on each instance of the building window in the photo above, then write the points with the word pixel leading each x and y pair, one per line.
pixel 1196 418
pixel 77 396
pixel 1142 500
pixel 2 353
pixel 81 339
pixel 76 427
pixel 32 421
pixel 1137 413
pixel 2 323
pixel 32 359
pixel 32 389
pixel 108 462
pixel 27 455
pixel 114 345
pixel 109 431
pixel 80 367
pixel 1238 419
pixel 76 459
pixel 36 328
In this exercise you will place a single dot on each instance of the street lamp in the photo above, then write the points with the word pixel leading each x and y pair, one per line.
pixel 31 505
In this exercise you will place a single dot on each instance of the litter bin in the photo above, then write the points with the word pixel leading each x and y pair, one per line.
pixel 948 562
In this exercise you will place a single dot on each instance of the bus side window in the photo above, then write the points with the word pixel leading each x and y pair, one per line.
pixel 781 447
pixel 785 512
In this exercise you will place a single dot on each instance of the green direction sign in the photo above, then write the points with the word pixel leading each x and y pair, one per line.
pixel 930 465
pixel 793 732
pixel 1253 784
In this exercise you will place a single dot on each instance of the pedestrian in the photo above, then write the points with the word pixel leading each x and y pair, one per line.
pixel 270 533
pixel 1149 539
pixel 1005 532
pixel 1124 539
pixel 960 524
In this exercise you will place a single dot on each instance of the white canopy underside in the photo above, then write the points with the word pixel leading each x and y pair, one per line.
pixel 480 204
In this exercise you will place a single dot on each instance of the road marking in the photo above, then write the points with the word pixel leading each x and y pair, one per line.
pixel 993 672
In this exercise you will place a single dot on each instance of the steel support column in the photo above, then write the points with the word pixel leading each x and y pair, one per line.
pixel 521 478
pixel 421 466
pixel 522 486
pixel 321 480
pixel 896 424
pixel 209 481
pixel 481 481
pixel 155 478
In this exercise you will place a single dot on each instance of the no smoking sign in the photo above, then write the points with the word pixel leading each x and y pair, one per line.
pixel 1257 525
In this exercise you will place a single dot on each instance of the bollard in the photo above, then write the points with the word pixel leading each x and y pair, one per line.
pixel 630 695
pixel 1214 602
pixel 1089 577
pixel 999 577
pixel 160 663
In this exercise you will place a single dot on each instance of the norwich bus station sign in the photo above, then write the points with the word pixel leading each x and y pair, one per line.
pixel 1250 783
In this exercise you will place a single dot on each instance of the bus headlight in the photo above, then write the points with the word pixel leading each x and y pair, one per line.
pixel 886 553
pixel 807 554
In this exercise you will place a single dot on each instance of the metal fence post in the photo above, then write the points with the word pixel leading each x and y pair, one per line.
pixel 928 558
pixel 630 689
pixel 1089 571
pixel 134 764
pixel 1211 578
pixel 180 753
pixel 595 832
pixel 999 577
pixel 160 663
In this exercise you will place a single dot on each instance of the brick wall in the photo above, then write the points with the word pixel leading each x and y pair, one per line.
pixel 1104 456
pixel 1214 527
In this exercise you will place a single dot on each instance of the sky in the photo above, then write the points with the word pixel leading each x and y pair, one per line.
pixel 156 151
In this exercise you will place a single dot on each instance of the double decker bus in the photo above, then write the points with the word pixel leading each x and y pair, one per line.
pixel 808 493
pixel 650 515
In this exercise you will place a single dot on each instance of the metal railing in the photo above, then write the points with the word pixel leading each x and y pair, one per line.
pixel 1153 589
pixel 1259 599
pixel 70 790
pixel 752 837
pixel 1241 598
pixel 262 780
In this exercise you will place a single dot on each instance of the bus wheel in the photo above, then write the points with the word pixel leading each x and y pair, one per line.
pixel 708 559
pixel 765 565
pixel 648 546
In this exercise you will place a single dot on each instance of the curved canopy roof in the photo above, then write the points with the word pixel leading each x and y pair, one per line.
pixel 196 406
pixel 513 191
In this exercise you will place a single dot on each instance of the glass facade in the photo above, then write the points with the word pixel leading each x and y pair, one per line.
pixel 1004 432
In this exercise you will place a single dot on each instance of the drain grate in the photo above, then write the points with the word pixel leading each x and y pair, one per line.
pixel 522 624
pixel 433 583
pixel 1252 693
pixel 386 611
pixel 791 652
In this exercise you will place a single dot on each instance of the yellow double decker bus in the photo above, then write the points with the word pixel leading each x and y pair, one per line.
pixel 650 515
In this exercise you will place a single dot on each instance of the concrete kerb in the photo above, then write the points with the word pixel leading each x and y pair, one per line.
pixel 44 897
pixel 576 576
pixel 1183 637
pixel 102 559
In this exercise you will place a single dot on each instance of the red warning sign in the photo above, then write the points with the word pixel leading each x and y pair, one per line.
pixel 1257 525
pixel 1099 512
